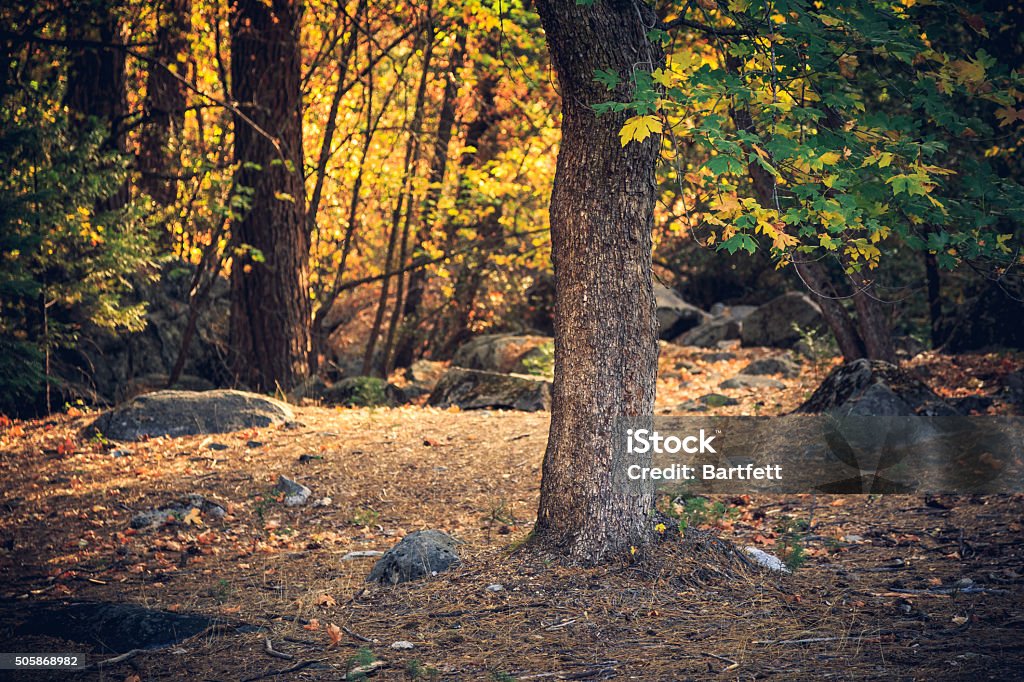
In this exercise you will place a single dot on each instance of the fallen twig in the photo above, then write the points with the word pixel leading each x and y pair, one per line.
pixel 807 640
pixel 121 658
pixel 493 609
pixel 274 673
pixel 356 635
pixel 362 671
pixel 268 647
pixel 732 664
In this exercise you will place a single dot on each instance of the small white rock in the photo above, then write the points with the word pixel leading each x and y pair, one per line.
pixel 766 560
pixel 362 553
pixel 402 644
pixel 323 502
pixel 496 587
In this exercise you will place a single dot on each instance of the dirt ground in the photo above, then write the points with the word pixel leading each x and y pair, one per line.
pixel 890 587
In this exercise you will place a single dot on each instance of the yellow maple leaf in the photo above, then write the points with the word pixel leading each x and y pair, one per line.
pixel 193 517
pixel 829 158
pixel 639 128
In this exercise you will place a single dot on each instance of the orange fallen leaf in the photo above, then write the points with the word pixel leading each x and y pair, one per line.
pixel 326 600
pixel 334 633
pixel 312 626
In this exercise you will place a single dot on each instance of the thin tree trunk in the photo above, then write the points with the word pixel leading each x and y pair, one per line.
pixel 606 336
pixel 817 279
pixel 320 332
pixel 472 273
pixel 813 274
pixel 872 320
pixel 166 99
pixel 934 279
pixel 96 86
pixel 404 201
pixel 406 346
pixel 270 307
pixel 332 118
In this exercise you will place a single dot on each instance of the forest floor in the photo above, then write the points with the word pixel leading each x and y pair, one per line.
pixel 891 587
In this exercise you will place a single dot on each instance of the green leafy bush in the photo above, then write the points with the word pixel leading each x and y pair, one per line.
pixel 66 249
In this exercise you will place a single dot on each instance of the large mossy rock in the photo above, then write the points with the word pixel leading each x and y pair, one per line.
pixel 496 352
pixel 865 388
pixel 675 315
pixel 187 413
pixel 475 390
pixel 420 554
pixel 773 323
pixel 359 391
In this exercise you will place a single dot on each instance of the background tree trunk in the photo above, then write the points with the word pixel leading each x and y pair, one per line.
pixel 606 341
pixel 165 104
pixel 270 306
pixel 370 367
pixel 405 349
pixel 96 87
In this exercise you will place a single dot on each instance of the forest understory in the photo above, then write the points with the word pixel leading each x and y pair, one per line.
pixel 887 587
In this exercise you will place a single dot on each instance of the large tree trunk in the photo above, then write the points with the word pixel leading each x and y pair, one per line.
pixel 606 340
pixel 165 103
pixel 270 307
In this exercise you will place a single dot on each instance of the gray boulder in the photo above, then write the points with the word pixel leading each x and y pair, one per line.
pixel 496 352
pixel 709 334
pixel 780 365
pixel 475 390
pixel 744 381
pixel 875 388
pixel 419 554
pixel 714 331
pixel 111 627
pixel 772 323
pixel 675 315
pixel 295 494
pixel 187 413
pixel 425 373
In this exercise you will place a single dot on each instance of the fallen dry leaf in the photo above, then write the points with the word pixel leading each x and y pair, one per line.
pixel 334 633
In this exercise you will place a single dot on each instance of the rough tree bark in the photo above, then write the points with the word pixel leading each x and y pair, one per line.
pixel 270 306
pixel 606 346
pixel 166 98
